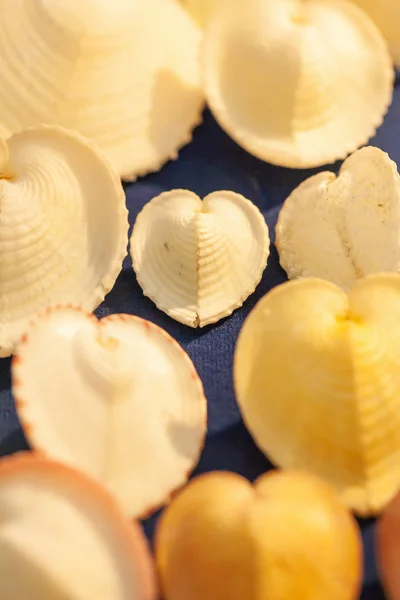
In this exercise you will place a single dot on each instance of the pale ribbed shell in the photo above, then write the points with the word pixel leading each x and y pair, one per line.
pixel 117 398
pixel 63 538
pixel 199 260
pixel 124 73
pixel 63 227
pixel 297 83
pixel 385 14
pixel 343 228
pixel 317 379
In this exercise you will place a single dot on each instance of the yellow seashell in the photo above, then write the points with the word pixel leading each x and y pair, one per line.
pixel 298 83
pixel 142 413
pixel 201 10
pixel 317 379
pixel 124 73
pixel 343 228
pixel 199 260
pixel 63 226
pixel 386 14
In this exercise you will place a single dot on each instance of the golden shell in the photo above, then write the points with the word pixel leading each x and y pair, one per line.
pixel 317 379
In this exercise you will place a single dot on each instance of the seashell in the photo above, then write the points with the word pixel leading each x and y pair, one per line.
pixel 63 226
pixel 62 537
pixel 342 228
pixel 317 380
pixel 315 114
pixel 125 74
pixel 201 10
pixel 386 16
pixel 118 399
pixel 199 260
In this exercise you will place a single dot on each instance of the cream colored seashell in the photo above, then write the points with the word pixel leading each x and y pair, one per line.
pixel 63 226
pixel 118 399
pixel 63 538
pixel 297 83
pixel 125 74
pixel 201 10
pixel 385 14
pixel 199 260
pixel 317 379
pixel 342 228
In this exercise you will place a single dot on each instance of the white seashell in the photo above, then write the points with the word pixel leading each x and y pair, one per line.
pixel 298 84
pixel 343 228
pixel 385 14
pixel 63 226
pixel 119 399
pixel 199 260
pixel 125 74
pixel 62 537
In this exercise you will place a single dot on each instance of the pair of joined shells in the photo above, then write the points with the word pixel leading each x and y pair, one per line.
pixel 317 379
pixel 118 399
pixel 198 260
pixel 342 228
pixel 63 226
pixel 298 83
pixel 125 74
pixel 63 537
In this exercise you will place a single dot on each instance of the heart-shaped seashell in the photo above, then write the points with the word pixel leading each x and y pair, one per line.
pixel 63 226
pixel 317 379
pixel 280 78
pixel 386 15
pixel 201 10
pixel 343 228
pixel 118 399
pixel 62 537
pixel 125 74
pixel 199 260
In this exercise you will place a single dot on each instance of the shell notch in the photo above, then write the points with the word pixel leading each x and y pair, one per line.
pixel 317 380
pixel 63 227
pixel 56 522
pixel 313 115
pixel 342 228
pixel 112 71
pixel 141 405
pixel 199 260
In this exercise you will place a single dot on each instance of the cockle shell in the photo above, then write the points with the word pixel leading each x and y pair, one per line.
pixel 62 537
pixel 199 260
pixel 317 379
pixel 385 14
pixel 342 228
pixel 201 10
pixel 63 226
pixel 117 398
pixel 124 73
pixel 298 83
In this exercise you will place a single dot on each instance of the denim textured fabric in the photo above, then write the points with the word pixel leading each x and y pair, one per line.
pixel 214 162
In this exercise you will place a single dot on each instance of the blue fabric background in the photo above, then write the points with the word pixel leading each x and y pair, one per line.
pixel 213 162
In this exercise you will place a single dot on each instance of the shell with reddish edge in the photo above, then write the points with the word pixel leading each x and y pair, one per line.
pixel 63 226
pixel 119 399
pixel 76 526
